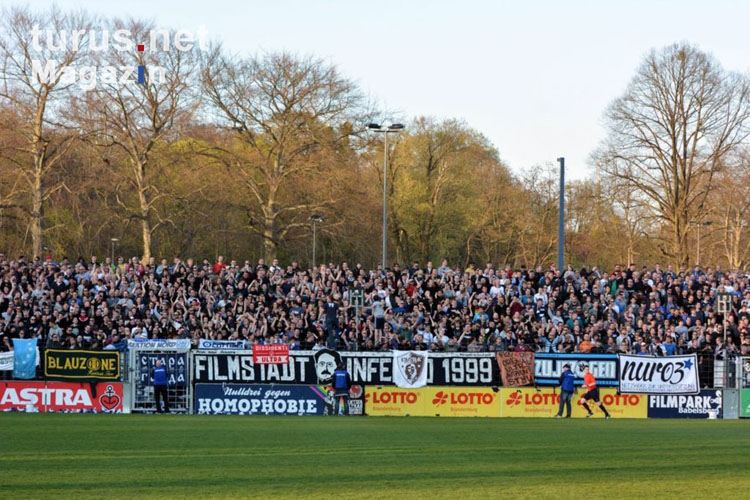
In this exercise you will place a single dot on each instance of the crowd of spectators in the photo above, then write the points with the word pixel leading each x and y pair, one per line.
pixel 99 305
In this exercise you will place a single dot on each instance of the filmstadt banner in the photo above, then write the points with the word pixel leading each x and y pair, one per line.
pixel 368 368
pixel 663 375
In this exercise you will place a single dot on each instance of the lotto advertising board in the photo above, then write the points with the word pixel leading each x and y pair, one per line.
pixel 432 402
pixel 686 406
pixel 257 399
pixel 543 403
pixel 61 397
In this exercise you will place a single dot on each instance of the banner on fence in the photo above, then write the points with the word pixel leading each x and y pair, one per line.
pixel 157 344
pixel 82 366
pixel 221 344
pixel 662 375
pixel 548 367
pixel 544 403
pixel 6 361
pixel 256 399
pixel 410 369
pixel 270 354
pixel 25 358
pixel 686 405
pixel 433 401
pixel 61 397
pixel 175 363
pixel 516 368
pixel 368 368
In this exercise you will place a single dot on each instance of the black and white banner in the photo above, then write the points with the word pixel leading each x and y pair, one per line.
pixel 221 344
pixel 157 344
pixel 548 367
pixel 6 361
pixel 176 364
pixel 663 375
pixel 367 368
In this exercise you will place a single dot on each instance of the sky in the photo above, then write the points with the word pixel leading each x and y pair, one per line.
pixel 534 76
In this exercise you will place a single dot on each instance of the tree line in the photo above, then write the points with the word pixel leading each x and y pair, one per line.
pixel 216 153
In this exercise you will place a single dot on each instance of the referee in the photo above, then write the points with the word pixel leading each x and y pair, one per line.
pixel 592 393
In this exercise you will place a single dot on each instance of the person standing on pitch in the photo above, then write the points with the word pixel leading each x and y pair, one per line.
pixel 592 393
pixel 160 380
pixel 567 388
pixel 342 382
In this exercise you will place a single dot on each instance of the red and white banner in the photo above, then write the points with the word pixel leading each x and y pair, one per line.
pixel 65 397
pixel 270 354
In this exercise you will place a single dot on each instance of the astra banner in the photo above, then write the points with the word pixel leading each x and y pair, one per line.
pixel 663 375
pixel 366 368
pixel 61 397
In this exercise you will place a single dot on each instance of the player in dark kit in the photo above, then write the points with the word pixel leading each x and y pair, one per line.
pixel 592 393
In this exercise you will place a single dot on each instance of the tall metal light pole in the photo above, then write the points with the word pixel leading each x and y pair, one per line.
pixel 385 130
pixel 561 218
pixel 698 224
pixel 114 243
pixel 315 219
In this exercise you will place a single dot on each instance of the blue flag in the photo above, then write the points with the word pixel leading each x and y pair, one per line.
pixel 25 356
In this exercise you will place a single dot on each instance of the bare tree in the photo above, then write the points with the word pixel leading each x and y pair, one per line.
pixel 731 208
pixel 669 133
pixel 36 50
pixel 134 119
pixel 291 119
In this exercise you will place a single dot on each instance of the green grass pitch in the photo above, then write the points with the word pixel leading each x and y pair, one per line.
pixel 56 456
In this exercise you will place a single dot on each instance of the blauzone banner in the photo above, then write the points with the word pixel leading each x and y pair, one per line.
pixel 25 358
pixel 548 367
pixel 686 406
pixel 663 375
pixel 256 399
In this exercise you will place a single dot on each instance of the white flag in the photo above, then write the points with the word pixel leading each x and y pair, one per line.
pixel 410 369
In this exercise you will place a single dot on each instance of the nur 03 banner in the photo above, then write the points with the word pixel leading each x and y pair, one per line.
pixel 663 375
